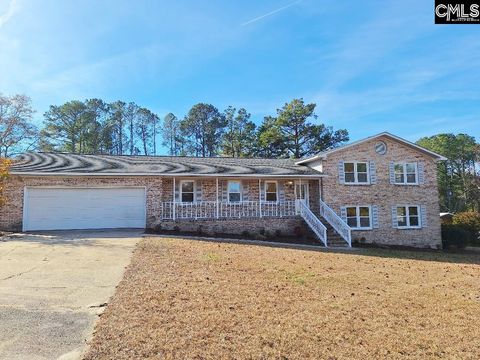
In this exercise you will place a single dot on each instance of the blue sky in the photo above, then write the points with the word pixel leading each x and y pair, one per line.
pixel 370 66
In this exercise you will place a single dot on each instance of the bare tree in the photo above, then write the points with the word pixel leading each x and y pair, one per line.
pixel 16 128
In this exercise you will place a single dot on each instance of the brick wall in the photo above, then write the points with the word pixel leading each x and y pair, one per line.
pixel 385 195
pixel 252 227
pixel 11 214
pixel 158 189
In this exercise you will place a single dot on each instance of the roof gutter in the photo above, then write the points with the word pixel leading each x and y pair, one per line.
pixel 256 176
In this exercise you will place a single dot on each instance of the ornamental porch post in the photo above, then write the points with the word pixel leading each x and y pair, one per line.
pixel 173 194
pixel 259 197
pixel 216 203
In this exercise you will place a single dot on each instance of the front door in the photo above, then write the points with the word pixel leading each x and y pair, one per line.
pixel 301 191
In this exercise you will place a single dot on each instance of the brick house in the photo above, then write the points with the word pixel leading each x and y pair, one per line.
pixel 382 189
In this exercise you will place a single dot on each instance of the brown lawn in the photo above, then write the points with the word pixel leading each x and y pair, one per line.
pixel 187 299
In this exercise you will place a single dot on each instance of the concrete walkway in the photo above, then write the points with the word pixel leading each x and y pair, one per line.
pixel 54 285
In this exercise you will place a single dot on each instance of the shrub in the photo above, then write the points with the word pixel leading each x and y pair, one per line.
pixel 246 234
pixel 470 221
pixel 278 233
pixel 455 236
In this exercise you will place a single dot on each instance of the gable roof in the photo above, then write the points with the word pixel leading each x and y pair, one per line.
pixel 398 139
pixel 123 165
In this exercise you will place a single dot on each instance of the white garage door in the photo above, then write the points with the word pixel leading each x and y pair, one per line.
pixel 83 208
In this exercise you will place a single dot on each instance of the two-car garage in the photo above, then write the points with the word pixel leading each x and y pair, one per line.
pixel 62 208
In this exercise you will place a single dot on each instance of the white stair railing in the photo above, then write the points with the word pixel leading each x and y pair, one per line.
pixel 313 221
pixel 340 226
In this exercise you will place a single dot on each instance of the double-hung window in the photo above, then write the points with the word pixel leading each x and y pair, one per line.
pixel 234 191
pixel 356 172
pixel 359 217
pixel 271 191
pixel 408 217
pixel 187 191
pixel 406 173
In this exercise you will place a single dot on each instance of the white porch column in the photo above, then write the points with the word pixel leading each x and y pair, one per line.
pixel 217 209
pixel 173 203
pixel 259 197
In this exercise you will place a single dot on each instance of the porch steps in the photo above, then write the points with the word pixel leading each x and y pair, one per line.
pixel 333 238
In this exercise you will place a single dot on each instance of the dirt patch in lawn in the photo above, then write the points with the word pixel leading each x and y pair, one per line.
pixel 187 299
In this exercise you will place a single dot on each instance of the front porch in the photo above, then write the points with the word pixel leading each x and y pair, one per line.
pixel 256 199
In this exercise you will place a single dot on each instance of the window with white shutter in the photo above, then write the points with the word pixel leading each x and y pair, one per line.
pixel 408 217
pixel 359 217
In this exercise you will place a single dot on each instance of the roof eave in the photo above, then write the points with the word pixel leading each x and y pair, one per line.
pixel 436 156
pixel 256 176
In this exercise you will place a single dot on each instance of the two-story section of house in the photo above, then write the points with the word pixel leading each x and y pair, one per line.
pixel 384 188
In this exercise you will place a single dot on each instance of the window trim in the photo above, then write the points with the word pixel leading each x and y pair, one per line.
pixel 181 191
pixel 355 172
pixel 407 216
pixel 357 211
pixel 239 191
pixel 276 190
pixel 404 165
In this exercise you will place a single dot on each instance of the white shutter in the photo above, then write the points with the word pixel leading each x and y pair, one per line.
pixel 394 216
pixel 245 190
pixel 262 191
pixel 224 191
pixel 392 172
pixel 177 191
pixel 341 172
pixel 421 173
pixel 373 172
pixel 281 191
pixel 343 213
pixel 423 214
pixel 375 216
pixel 198 190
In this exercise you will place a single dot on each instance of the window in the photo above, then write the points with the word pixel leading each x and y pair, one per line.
pixel 234 191
pixel 406 173
pixel 408 217
pixel 358 217
pixel 187 191
pixel 356 172
pixel 271 191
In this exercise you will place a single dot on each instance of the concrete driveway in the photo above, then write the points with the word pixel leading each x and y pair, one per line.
pixel 52 287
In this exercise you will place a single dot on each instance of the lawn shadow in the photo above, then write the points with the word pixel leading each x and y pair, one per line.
pixel 454 257
pixel 461 257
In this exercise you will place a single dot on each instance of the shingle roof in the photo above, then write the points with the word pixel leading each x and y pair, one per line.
pixel 74 164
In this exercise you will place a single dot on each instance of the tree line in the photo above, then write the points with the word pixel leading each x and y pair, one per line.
pixel 94 126
pixel 459 175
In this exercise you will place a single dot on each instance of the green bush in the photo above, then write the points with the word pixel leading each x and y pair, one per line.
pixel 470 221
pixel 455 236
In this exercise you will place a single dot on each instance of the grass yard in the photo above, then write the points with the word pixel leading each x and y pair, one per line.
pixel 186 299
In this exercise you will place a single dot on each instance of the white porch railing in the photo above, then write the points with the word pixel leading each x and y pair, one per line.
pixel 312 220
pixel 212 209
pixel 340 226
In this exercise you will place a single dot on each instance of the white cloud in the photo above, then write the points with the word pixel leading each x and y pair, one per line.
pixel 270 13
pixel 12 8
